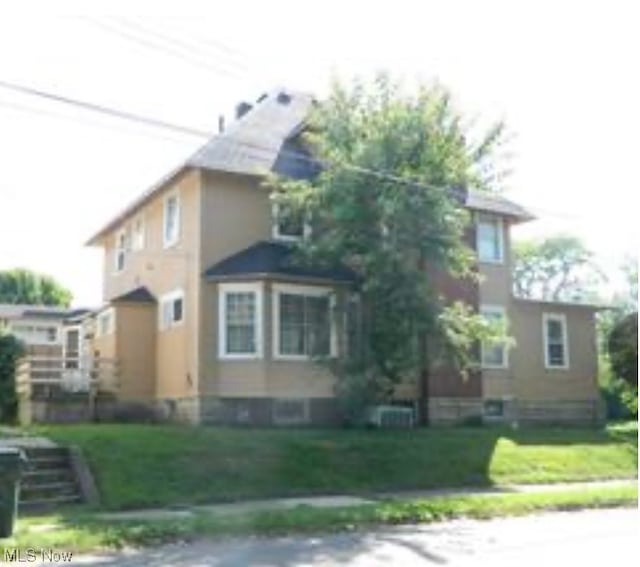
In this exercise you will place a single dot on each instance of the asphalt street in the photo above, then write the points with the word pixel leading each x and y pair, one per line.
pixel 593 537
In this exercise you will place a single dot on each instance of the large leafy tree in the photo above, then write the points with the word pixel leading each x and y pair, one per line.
pixel 27 287
pixel 385 204
pixel 623 349
pixel 557 268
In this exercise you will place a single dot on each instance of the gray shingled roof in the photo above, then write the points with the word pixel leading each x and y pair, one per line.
pixel 490 202
pixel 251 145
pixel 274 259
pixel 19 311
pixel 261 142
pixel 138 295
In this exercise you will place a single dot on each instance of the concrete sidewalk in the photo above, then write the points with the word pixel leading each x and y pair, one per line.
pixel 338 501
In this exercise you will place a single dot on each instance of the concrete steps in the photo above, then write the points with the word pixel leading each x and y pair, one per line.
pixel 49 480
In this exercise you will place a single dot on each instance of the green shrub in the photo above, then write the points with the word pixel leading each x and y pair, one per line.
pixel 11 349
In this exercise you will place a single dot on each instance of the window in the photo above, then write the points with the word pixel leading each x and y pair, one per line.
pixel 494 353
pixel 72 347
pixel 171 309
pixel 122 246
pixel 137 240
pixel 556 349
pixel 35 334
pixel 240 321
pixel 489 237
pixel 288 226
pixel 106 323
pixel 171 229
pixel 289 411
pixel 302 322
pixel 494 408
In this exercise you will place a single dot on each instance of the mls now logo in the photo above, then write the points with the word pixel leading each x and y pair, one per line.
pixel 31 555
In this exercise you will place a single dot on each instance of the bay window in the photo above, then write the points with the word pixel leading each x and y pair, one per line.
pixel 302 322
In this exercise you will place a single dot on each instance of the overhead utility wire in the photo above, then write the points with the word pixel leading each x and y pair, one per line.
pixel 187 45
pixel 159 46
pixel 152 122
pixel 147 121
pixel 110 111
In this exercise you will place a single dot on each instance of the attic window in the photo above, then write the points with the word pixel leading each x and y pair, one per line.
pixel 287 225
pixel 284 98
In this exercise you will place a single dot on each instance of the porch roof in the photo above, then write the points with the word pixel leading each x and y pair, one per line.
pixel 267 258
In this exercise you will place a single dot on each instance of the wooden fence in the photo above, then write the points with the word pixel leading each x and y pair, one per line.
pixel 71 382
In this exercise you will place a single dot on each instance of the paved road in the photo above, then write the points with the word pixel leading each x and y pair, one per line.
pixel 561 538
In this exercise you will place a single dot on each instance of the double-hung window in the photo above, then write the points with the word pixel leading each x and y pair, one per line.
pixel 137 237
pixel 240 321
pixel 556 348
pixel 494 353
pixel 489 238
pixel 171 224
pixel 302 322
pixel 171 309
pixel 122 247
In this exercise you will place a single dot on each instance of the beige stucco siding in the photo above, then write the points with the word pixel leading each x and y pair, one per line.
pixel 534 382
pixel 236 213
pixel 136 350
pixel 165 270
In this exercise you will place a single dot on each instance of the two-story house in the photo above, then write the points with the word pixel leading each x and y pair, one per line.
pixel 210 321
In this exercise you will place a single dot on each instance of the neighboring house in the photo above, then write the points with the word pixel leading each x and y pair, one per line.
pixel 45 331
pixel 209 321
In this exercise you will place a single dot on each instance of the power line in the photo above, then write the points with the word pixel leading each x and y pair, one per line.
pixel 155 45
pixel 147 121
pixel 190 131
pixel 190 46
pixel 82 120
pixel 106 110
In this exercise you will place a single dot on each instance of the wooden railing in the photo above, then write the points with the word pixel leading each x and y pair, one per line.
pixel 43 376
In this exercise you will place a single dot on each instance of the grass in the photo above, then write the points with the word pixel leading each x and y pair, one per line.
pixel 151 465
pixel 84 533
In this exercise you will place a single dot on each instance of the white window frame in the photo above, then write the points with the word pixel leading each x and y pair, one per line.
pixel 275 227
pixel 495 309
pixel 307 290
pixel 169 242
pixel 562 319
pixel 138 237
pixel 500 228
pixel 224 289
pixel 30 339
pixel 170 298
pixel 120 250
pixel 111 314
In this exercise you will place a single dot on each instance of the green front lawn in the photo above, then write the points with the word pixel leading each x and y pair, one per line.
pixel 146 465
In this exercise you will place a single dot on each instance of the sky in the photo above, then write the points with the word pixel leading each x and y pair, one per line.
pixel 562 75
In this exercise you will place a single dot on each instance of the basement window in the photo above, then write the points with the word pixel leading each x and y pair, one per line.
pixel 290 411
pixel 494 408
